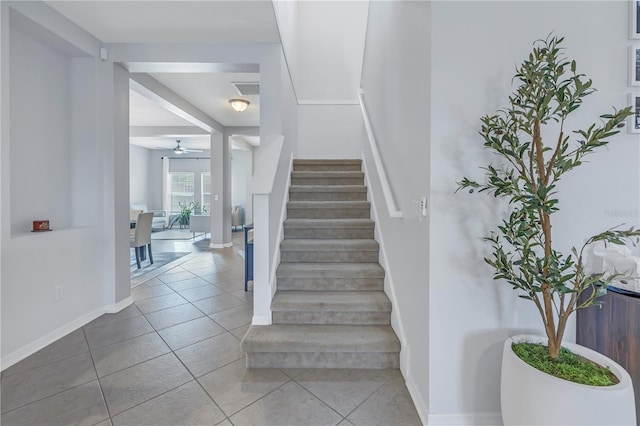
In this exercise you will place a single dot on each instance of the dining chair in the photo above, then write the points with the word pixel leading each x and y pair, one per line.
pixel 133 218
pixel 142 236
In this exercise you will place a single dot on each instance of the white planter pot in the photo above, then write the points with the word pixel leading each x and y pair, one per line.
pixel 530 397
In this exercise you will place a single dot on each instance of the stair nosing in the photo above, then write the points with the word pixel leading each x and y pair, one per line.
pixel 327 173
pixel 341 223
pixel 328 204
pixel 316 338
pixel 331 301
pixel 328 188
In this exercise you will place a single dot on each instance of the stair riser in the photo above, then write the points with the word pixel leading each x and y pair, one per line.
pixel 326 167
pixel 361 360
pixel 320 213
pixel 330 284
pixel 327 196
pixel 329 256
pixel 352 318
pixel 333 233
pixel 327 181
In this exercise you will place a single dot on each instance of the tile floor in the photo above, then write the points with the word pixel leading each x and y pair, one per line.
pixel 173 358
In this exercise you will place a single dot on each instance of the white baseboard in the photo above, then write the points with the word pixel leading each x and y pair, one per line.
pixel 33 347
pixel 219 246
pixel 261 320
pixel 418 400
pixel 475 419
pixel 117 307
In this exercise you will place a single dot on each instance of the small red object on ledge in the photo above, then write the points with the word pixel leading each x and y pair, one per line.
pixel 40 225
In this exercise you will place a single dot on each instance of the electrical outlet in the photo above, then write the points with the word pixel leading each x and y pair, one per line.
pixel 59 292
pixel 423 206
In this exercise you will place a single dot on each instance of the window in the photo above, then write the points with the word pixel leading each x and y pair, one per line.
pixel 206 192
pixel 181 189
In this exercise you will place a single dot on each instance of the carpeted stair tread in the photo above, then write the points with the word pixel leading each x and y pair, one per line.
pixel 333 174
pixel 327 188
pixel 330 270
pixel 284 338
pixel 327 193
pixel 329 205
pixel 328 245
pixel 331 301
pixel 330 309
pixel 326 161
pixel 329 223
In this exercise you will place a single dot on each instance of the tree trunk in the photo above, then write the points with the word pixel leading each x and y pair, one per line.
pixel 554 349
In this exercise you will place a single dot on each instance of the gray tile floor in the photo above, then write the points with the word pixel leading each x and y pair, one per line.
pixel 174 358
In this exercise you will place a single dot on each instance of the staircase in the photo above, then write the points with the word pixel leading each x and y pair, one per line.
pixel 330 310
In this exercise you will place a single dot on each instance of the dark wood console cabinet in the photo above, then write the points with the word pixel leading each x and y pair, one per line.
pixel 614 331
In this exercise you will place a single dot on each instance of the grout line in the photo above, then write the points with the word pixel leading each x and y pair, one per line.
pixel 52 395
pixel 171 351
pixel 4 376
pixel 93 361
pixel 138 363
pixel 367 398
pixel 127 339
pixel 262 397
pixel 318 398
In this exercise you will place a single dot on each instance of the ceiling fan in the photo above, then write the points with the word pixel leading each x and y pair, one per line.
pixel 180 150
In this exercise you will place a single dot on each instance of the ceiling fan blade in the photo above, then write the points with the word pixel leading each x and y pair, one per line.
pixel 192 150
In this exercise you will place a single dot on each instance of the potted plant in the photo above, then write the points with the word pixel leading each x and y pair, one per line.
pixel 197 208
pixel 522 250
pixel 185 213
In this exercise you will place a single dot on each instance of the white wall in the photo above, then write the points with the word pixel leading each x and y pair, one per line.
pixel 140 180
pixel 323 42
pixel 329 131
pixel 396 92
pixel 51 169
pixel 241 181
pixel 40 107
pixel 85 196
pixel 475 47
pixel 98 253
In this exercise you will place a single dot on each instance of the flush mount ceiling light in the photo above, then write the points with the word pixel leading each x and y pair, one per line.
pixel 239 104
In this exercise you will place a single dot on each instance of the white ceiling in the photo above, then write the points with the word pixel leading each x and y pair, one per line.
pixel 211 93
pixel 180 21
pixel 174 21
pixel 143 112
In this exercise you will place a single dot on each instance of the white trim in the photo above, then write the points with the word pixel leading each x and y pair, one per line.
pixel 44 341
pixel 117 307
pixel 633 53
pixel 418 399
pixel 261 320
pixel 631 121
pixel 484 419
pixel 261 286
pixel 396 321
pixel 267 166
pixel 633 16
pixel 384 181
pixel 328 102
pixel 280 235
pixel 219 246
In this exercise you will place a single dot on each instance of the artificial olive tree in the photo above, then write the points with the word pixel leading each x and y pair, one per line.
pixel 523 254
